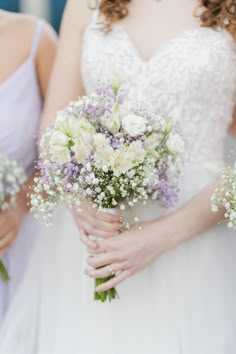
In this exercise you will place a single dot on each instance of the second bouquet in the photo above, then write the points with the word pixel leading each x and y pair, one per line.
pixel 110 151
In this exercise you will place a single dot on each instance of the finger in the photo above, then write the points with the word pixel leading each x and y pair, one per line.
pixel 102 246
pixel 100 225
pixel 85 239
pixel 95 232
pixel 113 282
pixel 7 241
pixel 84 236
pixel 102 260
pixel 5 229
pixel 105 271
pixel 108 217
pixel 5 250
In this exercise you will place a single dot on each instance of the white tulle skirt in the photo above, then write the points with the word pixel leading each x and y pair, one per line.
pixel 184 303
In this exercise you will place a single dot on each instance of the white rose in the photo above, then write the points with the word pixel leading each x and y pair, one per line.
pixel 175 144
pixel 59 147
pixel 134 125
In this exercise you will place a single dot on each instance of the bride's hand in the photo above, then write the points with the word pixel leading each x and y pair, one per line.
pixel 99 224
pixel 128 253
pixel 10 222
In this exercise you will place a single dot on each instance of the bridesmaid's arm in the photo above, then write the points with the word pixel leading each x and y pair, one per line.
pixel 45 57
pixel 11 220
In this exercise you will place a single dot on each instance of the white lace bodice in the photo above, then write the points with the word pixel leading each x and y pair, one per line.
pixel 191 79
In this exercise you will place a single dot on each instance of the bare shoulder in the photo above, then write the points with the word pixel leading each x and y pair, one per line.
pixel 79 13
pixel 19 29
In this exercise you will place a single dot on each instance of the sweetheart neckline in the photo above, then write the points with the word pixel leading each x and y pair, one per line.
pixel 161 47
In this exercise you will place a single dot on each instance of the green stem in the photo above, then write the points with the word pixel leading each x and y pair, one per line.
pixel 103 296
pixel 4 273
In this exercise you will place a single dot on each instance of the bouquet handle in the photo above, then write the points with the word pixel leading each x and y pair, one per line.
pixel 110 294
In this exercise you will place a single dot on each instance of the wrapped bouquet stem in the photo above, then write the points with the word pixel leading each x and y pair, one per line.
pixel 111 152
pixel 112 293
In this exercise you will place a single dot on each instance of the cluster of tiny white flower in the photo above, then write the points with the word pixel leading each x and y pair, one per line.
pixel 12 177
pixel 225 196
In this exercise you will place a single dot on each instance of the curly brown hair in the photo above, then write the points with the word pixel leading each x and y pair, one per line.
pixel 213 13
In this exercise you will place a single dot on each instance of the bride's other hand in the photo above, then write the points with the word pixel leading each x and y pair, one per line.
pixel 99 224
pixel 129 252
pixel 10 223
pixel 133 250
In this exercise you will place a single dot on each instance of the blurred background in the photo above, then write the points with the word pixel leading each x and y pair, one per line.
pixel 51 10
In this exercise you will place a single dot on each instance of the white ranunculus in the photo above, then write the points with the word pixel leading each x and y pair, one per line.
pixel 80 149
pixel 67 124
pixel 152 141
pixel 100 141
pixel 74 127
pixel 59 138
pixel 120 162
pixel 136 152
pixel 113 123
pixel 87 130
pixel 175 144
pixel 58 146
pixel 103 150
pixel 134 125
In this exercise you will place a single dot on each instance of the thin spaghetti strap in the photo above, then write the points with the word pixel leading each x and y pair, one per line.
pixel 96 12
pixel 36 39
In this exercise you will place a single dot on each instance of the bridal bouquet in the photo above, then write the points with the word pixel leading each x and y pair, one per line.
pixel 225 195
pixel 12 177
pixel 109 151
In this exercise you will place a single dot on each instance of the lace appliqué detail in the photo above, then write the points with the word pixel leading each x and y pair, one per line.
pixel 191 79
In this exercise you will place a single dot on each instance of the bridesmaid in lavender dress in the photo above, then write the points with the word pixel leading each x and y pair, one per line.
pixel 25 67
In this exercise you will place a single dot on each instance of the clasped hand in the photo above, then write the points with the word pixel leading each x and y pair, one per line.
pixel 126 253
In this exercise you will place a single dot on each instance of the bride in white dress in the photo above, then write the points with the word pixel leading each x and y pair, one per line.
pixel 180 298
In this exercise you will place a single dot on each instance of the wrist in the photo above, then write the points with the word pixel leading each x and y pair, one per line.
pixel 168 230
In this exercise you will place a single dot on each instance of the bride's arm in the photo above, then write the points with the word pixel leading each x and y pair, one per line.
pixel 66 85
pixel 135 249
